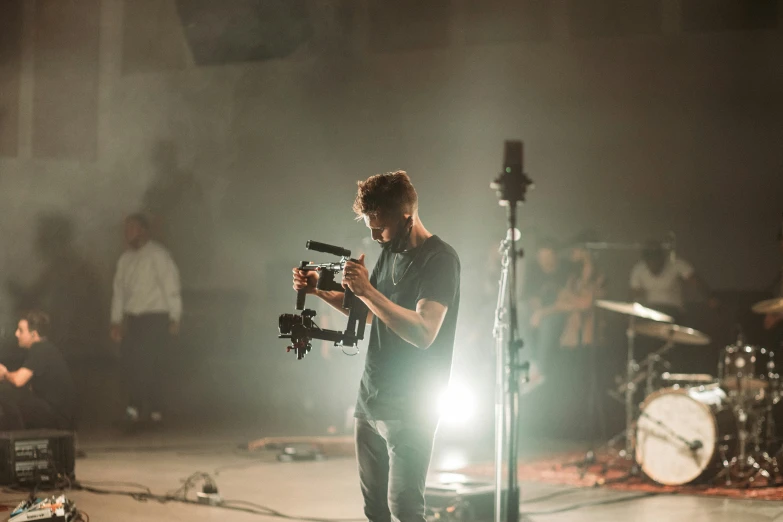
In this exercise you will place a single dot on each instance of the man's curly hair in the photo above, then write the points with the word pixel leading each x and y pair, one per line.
pixel 37 321
pixel 386 194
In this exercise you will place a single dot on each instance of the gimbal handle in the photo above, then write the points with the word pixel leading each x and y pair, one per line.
pixel 301 294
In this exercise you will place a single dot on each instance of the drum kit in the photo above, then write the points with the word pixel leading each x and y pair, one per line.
pixel 699 428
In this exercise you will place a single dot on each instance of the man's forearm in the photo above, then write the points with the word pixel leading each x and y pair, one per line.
pixel 11 377
pixel 408 324
pixel 116 310
pixel 701 286
pixel 334 299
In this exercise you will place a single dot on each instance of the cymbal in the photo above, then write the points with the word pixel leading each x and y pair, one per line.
pixel 634 309
pixel 770 306
pixel 672 332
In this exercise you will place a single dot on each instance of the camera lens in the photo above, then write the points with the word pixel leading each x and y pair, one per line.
pixel 286 322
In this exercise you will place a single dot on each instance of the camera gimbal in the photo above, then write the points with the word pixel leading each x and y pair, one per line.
pixel 301 328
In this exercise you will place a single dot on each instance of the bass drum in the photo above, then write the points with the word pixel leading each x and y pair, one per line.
pixel 682 435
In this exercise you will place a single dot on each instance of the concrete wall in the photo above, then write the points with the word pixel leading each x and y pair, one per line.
pixel 633 136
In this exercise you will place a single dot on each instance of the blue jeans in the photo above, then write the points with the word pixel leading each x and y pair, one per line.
pixel 393 458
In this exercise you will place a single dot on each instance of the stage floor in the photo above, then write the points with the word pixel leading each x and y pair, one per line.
pixel 329 489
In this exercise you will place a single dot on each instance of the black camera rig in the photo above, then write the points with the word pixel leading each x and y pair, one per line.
pixel 301 328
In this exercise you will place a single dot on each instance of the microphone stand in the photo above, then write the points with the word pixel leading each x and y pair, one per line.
pixel 500 332
pixel 511 187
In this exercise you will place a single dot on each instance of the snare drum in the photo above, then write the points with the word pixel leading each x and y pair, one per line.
pixel 746 368
pixel 683 434
pixel 686 380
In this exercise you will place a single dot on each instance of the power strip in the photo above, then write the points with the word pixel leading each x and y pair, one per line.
pixel 53 509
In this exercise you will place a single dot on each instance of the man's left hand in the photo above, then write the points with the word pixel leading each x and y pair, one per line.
pixel 3 371
pixel 356 277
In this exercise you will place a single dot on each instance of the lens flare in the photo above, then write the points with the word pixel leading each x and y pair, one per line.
pixel 456 405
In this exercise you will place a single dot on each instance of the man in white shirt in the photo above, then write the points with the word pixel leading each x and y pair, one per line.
pixel 145 311
pixel 657 281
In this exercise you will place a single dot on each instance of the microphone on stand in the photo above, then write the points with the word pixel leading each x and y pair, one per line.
pixel 506 243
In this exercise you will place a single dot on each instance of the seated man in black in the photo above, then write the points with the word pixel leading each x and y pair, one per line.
pixel 40 394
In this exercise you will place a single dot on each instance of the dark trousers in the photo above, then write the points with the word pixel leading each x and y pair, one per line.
pixel 577 393
pixel 546 341
pixel 21 409
pixel 143 347
pixel 393 458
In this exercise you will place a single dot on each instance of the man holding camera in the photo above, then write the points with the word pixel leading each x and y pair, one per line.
pixel 413 300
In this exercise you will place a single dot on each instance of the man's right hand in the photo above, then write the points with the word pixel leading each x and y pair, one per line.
pixel 305 280
pixel 116 333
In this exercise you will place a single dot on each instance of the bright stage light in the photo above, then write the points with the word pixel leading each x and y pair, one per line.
pixel 452 460
pixel 456 405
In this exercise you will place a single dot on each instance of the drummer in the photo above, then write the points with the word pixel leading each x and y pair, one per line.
pixel 657 281
pixel 544 281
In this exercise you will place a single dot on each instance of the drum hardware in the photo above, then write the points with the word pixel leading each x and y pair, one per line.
pixel 645 372
pixel 651 361
pixel 696 427
pixel 750 375
pixel 756 435
pixel 726 425
pixel 747 370
pixel 692 445
pixel 674 333
pixel 751 461
pixel 769 306
pixel 734 428
pixel 633 311
pixel 686 380
pixel 683 435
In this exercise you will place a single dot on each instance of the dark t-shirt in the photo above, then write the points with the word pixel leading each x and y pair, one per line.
pixel 402 381
pixel 544 286
pixel 51 380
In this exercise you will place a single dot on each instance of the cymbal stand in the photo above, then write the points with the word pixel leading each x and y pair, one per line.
pixel 752 459
pixel 647 375
pixel 650 362
pixel 633 378
pixel 630 388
